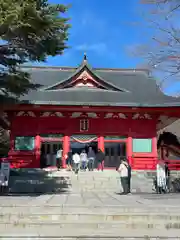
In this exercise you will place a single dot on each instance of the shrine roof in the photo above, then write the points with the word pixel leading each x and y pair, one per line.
pixel 112 87
pixel 174 128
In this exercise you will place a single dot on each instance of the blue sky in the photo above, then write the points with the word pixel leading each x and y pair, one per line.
pixel 107 32
pixel 103 31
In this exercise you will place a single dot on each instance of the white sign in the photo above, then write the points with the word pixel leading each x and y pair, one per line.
pixel 4 174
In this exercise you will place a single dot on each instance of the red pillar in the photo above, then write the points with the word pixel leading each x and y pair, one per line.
pixel 12 143
pixel 66 146
pixel 101 143
pixel 154 147
pixel 129 150
pixel 37 151
pixel 155 150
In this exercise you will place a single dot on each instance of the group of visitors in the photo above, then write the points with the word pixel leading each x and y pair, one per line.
pixel 161 182
pixel 83 161
pixel 86 161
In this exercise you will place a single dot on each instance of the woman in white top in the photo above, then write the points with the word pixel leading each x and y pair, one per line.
pixel 76 161
pixel 161 177
pixel 123 171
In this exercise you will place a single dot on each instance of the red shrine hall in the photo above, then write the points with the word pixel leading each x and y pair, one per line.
pixel 119 111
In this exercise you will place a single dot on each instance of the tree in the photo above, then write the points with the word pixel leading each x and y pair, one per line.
pixel 30 31
pixel 162 49
pixel 4 142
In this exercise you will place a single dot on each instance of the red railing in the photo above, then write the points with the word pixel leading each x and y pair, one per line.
pixel 16 163
pixel 173 164
pixel 150 164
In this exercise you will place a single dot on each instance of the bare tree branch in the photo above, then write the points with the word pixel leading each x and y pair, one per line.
pixel 161 50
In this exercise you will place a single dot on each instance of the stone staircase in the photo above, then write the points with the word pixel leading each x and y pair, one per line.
pixel 88 222
pixel 61 205
pixel 54 181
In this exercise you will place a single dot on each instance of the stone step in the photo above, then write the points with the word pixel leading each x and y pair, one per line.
pixel 168 221
pixel 63 181
pixel 48 190
pixel 86 209
pixel 84 238
pixel 45 186
pixel 87 238
pixel 35 232
pixel 117 226
pixel 80 177
pixel 93 217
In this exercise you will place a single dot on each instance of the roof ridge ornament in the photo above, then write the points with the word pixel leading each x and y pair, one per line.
pixel 84 61
pixel 85 57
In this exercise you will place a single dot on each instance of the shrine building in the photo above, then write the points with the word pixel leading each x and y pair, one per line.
pixel 117 110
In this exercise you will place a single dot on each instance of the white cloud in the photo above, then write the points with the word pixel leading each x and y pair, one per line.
pixel 99 48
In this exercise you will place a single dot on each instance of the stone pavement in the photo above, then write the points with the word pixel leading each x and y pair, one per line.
pixel 93 199
pixel 87 206
pixel 88 215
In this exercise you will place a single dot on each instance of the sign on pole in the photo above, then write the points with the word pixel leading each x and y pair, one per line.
pixel 5 171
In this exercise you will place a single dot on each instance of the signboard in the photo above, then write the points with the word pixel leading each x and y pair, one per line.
pixel 142 145
pixel 4 174
pixel 84 125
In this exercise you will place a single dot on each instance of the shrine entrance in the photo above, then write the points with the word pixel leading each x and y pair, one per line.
pixel 83 142
pixel 115 150
pixel 48 153
pixel 49 147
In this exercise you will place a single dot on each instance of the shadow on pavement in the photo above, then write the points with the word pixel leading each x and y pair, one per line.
pixel 35 183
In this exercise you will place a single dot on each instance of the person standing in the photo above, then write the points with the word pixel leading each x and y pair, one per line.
pixel 43 160
pixel 167 172
pixel 84 160
pixel 69 160
pixel 59 158
pixel 123 171
pixel 100 159
pixel 91 159
pixel 161 177
pixel 76 161
pixel 48 159
pixel 129 175
pixel 2 182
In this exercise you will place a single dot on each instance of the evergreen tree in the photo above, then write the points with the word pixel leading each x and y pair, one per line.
pixel 30 31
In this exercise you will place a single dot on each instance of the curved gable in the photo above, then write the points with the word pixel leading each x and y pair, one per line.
pixel 84 76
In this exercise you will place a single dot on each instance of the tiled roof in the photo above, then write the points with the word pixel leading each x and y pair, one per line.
pixel 139 88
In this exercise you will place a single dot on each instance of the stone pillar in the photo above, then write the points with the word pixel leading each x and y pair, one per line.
pixel 66 146
pixel 37 151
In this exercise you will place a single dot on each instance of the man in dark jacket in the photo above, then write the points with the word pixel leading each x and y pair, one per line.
pixel 100 159
pixel 69 160
pixel 91 157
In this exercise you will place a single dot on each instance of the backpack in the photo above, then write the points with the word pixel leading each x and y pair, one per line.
pixel 129 170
